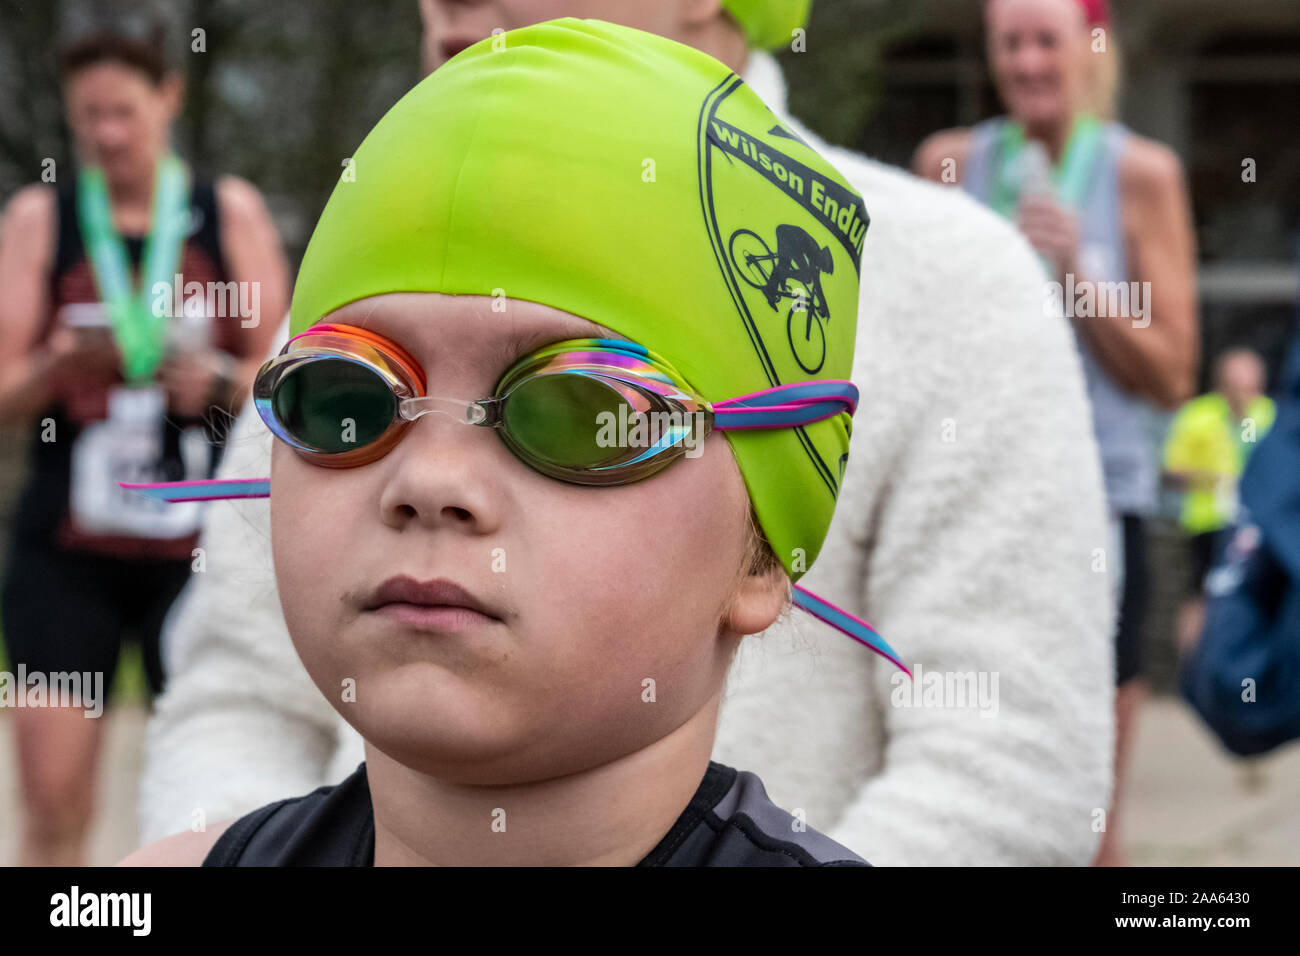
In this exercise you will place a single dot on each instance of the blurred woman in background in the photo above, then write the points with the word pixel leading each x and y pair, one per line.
pixel 133 294
pixel 1107 210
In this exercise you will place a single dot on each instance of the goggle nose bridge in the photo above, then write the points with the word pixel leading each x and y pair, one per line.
pixel 484 411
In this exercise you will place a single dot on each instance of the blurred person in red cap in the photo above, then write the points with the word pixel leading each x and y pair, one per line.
pixel 1110 215
pixel 132 292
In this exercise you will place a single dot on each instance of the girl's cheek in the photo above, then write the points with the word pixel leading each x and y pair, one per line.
pixel 312 508
pixel 300 532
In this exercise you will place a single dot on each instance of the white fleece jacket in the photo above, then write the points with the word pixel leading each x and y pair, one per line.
pixel 966 530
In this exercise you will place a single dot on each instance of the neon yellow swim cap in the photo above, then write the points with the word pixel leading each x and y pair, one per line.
pixel 634 182
pixel 768 23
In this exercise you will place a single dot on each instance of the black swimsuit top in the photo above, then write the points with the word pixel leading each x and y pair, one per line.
pixel 730 821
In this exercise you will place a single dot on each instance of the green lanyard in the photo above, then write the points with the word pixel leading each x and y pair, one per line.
pixel 1070 176
pixel 140 334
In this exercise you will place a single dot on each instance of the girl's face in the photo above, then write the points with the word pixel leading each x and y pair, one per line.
pixel 1038 50
pixel 611 618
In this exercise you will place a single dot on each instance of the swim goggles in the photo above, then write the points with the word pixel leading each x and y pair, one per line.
pixel 589 411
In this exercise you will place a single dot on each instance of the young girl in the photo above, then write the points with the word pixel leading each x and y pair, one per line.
pixel 532 629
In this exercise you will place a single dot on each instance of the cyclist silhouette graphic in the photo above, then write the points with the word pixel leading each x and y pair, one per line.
pixel 798 259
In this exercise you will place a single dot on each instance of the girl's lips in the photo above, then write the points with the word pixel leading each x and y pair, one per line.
pixel 442 617
pixel 436 593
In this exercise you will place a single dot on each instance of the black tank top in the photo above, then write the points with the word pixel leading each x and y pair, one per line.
pixel 730 821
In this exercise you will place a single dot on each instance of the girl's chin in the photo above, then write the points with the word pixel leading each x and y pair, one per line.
pixel 455 756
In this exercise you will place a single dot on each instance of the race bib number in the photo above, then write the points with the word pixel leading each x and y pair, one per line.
pixel 128 446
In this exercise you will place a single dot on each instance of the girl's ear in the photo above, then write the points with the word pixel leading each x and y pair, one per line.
pixel 758 601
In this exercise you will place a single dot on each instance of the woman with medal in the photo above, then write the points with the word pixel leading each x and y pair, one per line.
pixel 1107 210
pixel 139 301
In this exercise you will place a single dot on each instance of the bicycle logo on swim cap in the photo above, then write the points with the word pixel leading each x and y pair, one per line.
pixel 792 272
pixel 779 218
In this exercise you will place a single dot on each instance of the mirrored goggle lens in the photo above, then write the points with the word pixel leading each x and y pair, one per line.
pixel 334 404
pixel 581 421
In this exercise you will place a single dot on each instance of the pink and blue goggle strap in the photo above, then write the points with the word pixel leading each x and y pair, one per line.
pixel 784 406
